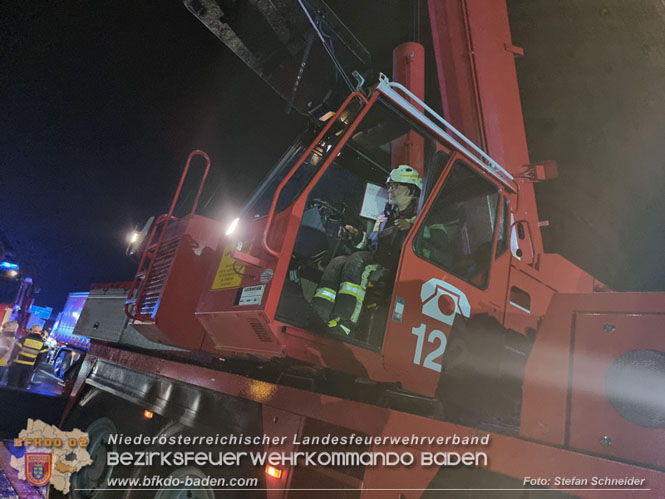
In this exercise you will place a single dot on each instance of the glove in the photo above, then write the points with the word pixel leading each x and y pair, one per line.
pixel 350 234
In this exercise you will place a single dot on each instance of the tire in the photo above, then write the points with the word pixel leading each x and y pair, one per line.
pixel 97 474
pixel 168 490
pixel 170 429
pixel 100 414
pixel 182 474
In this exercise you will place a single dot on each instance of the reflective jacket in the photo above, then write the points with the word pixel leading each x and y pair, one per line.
pixel 6 346
pixel 386 239
pixel 30 347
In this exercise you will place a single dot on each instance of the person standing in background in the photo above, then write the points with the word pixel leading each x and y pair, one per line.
pixel 7 338
pixel 28 350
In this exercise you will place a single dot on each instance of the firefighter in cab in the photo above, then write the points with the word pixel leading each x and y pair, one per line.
pixel 29 349
pixel 339 298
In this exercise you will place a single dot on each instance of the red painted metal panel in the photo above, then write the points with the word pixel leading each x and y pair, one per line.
pixel 599 339
pixel 246 332
pixel 563 276
pixel 500 105
pixel 517 316
pixel 178 292
pixel 555 275
pixel 278 423
pixel 548 371
pixel 228 326
pixel 409 70
pixel 409 67
pixel 478 77
pixel 455 67
pixel 330 352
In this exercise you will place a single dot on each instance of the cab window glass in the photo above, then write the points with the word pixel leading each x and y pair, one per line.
pixel 458 230
pixel 367 157
pixel 259 204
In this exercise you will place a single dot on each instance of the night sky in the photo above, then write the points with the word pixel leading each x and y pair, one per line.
pixel 101 102
pixel 100 108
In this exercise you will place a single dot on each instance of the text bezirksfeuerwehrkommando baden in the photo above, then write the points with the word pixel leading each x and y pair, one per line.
pixel 335 457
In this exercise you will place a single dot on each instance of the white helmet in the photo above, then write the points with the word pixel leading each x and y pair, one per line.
pixel 404 174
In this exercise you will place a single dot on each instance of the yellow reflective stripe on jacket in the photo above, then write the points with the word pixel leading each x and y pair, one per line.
pixel 30 349
pixel 377 226
pixel 36 344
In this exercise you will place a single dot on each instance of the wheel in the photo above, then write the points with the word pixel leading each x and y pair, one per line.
pixel 182 474
pixel 101 414
pixel 171 428
pixel 96 475
pixel 328 211
pixel 173 480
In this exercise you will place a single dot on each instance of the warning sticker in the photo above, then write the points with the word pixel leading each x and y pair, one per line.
pixel 227 275
pixel 251 295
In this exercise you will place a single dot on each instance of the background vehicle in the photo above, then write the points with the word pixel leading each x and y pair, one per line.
pixel 69 345
pixel 16 290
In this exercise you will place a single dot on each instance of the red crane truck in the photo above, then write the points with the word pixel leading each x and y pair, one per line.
pixel 482 334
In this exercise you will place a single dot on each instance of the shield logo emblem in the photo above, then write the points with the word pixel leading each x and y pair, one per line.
pixel 38 468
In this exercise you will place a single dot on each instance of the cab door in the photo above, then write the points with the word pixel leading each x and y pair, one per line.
pixel 454 265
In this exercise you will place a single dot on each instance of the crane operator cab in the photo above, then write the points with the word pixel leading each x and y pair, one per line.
pixel 258 297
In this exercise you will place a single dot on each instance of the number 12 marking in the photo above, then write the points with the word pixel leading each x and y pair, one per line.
pixel 434 335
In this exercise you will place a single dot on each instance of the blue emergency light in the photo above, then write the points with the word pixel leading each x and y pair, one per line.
pixel 8 265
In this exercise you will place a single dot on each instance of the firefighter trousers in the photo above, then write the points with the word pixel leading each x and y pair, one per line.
pixel 19 376
pixel 342 289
